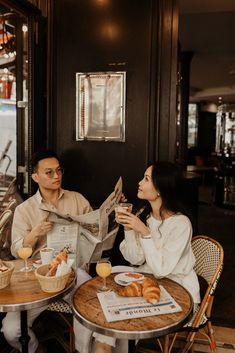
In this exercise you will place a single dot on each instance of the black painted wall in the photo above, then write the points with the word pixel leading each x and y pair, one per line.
pixel 133 36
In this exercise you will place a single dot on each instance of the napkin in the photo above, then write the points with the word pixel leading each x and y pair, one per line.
pixel 64 267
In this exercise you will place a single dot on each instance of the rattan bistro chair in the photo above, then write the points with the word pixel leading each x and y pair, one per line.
pixel 209 256
pixel 5 218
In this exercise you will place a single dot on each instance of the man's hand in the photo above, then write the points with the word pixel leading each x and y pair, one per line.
pixel 42 228
pixel 39 231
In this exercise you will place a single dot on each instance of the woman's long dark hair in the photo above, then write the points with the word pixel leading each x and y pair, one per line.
pixel 167 179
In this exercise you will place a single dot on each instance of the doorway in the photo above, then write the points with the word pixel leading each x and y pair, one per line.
pixel 13 92
pixel 22 91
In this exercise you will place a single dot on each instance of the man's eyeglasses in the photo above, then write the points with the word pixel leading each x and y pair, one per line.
pixel 50 173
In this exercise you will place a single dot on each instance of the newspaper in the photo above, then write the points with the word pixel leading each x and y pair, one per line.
pixel 86 236
pixel 118 308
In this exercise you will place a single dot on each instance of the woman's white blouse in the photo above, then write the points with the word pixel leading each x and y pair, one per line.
pixel 166 253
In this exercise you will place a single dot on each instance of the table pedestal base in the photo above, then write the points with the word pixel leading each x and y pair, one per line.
pixel 24 338
pixel 131 346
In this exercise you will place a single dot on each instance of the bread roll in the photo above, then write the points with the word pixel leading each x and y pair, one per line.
pixel 151 290
pixel 134 289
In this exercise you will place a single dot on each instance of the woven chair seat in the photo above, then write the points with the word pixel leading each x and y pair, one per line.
pixel 60 306
pixel 203 322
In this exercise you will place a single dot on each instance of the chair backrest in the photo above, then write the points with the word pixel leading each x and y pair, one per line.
pixel 209 256
pixel 9 194
pixel 11 205
pixel 4 219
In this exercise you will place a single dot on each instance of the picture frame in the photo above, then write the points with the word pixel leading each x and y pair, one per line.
pixel 100 106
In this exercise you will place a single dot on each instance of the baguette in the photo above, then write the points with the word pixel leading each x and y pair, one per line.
pixel 151 290
pixel 134 289
pixel 62 256
pixel 52 271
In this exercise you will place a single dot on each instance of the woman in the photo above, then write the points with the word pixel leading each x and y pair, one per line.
pixel 158 240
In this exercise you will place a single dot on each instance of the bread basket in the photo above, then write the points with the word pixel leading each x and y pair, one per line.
pixel 5 276
pixel 51 284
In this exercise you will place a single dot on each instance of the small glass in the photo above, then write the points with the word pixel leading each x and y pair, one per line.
pixel 103 269
pixel 122 208
pixel 24 253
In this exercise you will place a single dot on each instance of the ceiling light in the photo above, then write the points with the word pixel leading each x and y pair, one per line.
pixel 25 28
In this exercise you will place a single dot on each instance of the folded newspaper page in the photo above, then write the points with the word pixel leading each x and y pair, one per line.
pixel 86 236
pixel 118 308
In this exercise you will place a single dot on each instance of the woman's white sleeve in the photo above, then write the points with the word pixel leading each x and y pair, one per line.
pixel 131 248
pixel 163 255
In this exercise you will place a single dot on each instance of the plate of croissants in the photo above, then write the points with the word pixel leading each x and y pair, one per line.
pixel 148 288
pixel 126 278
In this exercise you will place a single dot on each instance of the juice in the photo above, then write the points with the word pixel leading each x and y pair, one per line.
pixel 103 269
pixel 25 253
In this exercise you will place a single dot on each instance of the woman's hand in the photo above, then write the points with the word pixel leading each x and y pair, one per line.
pixel 123 198
pixel 131 221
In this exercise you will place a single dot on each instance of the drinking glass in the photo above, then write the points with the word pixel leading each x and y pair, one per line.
pixel 120 208
pixel 103 269
pixel 24 253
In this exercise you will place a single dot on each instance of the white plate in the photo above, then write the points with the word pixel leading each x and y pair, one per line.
pixel 37 263
pixel 126 278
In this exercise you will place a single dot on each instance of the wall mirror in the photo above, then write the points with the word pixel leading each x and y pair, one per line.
pixel 100 106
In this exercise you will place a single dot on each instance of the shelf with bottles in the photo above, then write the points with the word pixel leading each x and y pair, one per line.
pixel 7 84
pixel 225 130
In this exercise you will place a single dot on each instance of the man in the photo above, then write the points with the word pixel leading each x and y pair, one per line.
pixel 30 226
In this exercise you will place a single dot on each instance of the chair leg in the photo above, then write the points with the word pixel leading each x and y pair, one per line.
pixel 159 343
pixel 166 344
pixel 211 337
pixel 189 342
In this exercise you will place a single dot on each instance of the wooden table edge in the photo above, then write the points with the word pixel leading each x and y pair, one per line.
pixel 132 335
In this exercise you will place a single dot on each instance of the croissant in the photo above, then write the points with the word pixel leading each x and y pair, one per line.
pixel 134 289
pixel 151 290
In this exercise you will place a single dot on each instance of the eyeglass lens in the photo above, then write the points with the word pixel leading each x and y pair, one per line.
pixel 51 172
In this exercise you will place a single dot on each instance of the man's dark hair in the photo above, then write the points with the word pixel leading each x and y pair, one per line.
pixel 38 156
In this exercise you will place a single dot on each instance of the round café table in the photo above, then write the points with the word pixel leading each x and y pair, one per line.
pixel 88 311
pixel 24 293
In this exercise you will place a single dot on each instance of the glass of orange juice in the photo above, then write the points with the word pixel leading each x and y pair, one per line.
pixel 24 253
pixel 103 269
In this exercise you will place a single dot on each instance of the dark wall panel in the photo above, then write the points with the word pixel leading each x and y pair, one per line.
pixel 103 36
